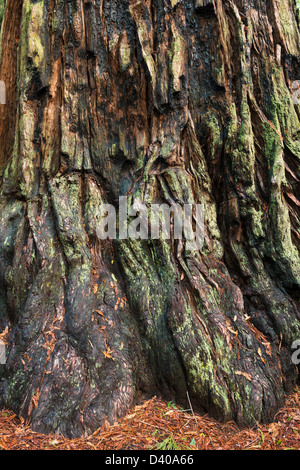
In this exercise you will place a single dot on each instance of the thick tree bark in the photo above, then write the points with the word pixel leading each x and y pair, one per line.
pixel 163 100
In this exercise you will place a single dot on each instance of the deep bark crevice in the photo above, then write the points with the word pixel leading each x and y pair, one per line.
pixel 164 102
pixel 9 75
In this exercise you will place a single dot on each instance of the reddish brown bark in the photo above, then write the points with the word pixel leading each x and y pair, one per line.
pixel 161 101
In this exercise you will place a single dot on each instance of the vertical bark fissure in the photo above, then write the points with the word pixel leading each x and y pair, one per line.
pixel 163 102
pixel 8 72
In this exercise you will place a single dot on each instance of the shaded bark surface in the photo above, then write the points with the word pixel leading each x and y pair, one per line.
pixel 163 101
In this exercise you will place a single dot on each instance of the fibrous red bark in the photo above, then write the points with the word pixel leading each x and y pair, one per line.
pixel 165 101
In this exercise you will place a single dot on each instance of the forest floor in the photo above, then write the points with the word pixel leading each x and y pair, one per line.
pixel 158 425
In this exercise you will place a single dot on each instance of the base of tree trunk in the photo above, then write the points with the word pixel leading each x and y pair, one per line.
pixel 163 102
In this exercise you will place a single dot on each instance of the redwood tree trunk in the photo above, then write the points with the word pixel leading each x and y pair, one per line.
pixel 162 100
